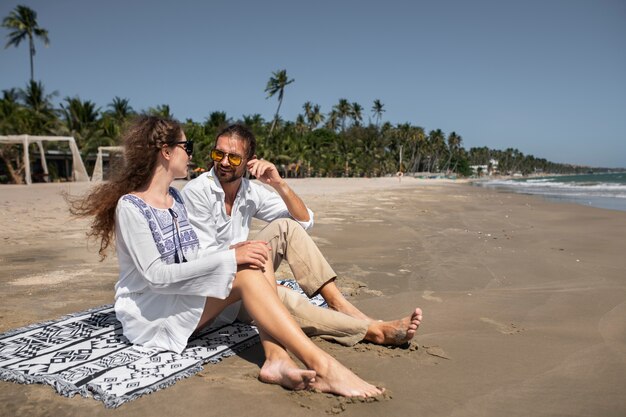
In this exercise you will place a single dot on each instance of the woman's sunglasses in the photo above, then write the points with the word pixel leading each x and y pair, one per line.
pixel 187 145
pixel 234 159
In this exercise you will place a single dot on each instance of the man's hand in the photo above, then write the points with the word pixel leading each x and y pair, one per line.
pixel 252 252
pixel 265 172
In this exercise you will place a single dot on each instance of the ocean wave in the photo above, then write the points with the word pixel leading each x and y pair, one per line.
pixel 573 189
pixel 542 180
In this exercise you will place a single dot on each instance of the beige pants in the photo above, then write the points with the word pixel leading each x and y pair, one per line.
pixel 290 242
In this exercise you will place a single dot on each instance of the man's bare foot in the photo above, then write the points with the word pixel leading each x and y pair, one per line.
pixel 394 333
pixel 287 374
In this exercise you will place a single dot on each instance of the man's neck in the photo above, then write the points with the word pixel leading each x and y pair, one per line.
pixel 230 189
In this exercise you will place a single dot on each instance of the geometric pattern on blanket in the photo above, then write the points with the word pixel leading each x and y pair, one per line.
pixel 85 353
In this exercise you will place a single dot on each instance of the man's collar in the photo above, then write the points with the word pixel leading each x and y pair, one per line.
pixel 214 183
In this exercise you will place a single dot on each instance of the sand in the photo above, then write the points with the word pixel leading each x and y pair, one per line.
pixel 524 303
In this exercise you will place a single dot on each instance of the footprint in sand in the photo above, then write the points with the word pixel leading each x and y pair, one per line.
pixel 437 351
pixel 428 295
pixel 501 327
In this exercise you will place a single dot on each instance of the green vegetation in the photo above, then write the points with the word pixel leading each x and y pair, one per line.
pixel 335 144
pixel 22 22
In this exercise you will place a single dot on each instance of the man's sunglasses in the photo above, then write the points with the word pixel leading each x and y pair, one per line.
pixel 234 159
pixel 187 145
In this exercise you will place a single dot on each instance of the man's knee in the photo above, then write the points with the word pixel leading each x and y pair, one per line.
pixel 287 226
pixel 280 231
pixel 285 222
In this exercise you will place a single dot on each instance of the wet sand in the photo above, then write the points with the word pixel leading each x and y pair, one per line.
pixel 524 303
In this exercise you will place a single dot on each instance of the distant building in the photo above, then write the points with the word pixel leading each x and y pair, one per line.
pixel 479 170
pixel 490 169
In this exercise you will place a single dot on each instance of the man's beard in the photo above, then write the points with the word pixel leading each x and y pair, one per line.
pixel 228 175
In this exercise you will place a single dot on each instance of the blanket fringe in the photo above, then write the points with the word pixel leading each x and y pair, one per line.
pixel 111 401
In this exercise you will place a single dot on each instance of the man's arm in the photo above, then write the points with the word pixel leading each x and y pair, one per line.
pixel 267 173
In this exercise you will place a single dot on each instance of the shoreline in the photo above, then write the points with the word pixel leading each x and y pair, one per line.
pixel 524 295
pixel 586 190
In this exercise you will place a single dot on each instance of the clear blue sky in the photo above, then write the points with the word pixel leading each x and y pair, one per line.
pixel 545 76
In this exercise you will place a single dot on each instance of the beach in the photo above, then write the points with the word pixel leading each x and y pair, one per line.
pixel 524 302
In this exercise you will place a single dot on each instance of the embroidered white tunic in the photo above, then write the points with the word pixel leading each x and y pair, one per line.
pixel 159 302
pixel 217 230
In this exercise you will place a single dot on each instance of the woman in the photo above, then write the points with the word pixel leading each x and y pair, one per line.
pixel 167 288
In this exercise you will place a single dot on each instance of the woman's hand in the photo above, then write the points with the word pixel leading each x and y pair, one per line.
pixel 254 253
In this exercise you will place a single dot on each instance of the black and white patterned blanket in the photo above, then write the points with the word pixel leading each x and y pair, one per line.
pixel 85 353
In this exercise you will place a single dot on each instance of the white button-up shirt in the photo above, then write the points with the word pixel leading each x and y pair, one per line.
pixel 206 208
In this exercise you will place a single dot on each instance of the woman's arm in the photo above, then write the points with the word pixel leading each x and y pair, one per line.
pixel 210 275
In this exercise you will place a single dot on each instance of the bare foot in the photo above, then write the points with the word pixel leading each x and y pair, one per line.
pixel 394 333
pixel 337 379
pixel 287 374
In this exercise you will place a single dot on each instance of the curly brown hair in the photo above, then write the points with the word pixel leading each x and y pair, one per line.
pixel 143 141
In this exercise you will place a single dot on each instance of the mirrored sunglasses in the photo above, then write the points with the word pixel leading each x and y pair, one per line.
pixel 233 159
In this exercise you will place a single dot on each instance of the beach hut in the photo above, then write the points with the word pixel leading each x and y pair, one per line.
pixel 79 173
pixel 98 171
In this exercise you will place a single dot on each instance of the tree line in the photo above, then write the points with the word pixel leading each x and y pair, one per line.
pixel 324 144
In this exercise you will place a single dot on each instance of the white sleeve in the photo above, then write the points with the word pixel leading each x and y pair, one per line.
pixel 272 207
pixel 210 275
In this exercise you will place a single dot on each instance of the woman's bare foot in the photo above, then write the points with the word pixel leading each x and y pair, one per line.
pixel 394 333
pixel 287 374
pixel 335 378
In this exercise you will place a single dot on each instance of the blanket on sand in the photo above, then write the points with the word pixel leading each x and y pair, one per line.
pixel 85 353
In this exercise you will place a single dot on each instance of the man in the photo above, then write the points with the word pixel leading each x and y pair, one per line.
pixel 221 204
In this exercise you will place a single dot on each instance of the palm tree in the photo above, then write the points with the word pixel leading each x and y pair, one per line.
pixel 217 120
pixel 308 108
pixel 42 116
pixel 13 120
pixel 300 125
pixel 162 110
pixel 343 110
pixel 356 113
pixel 253 121
pixel 437 144
pixel 276 84
pixel 23 23
pixel 316 117
pixel 11 113
pixel 332 123
pixel 120 109
pixel 377 110
pixel 454 143
pixel 81 118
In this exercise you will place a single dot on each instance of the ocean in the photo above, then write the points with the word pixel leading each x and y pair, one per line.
pixel 598 190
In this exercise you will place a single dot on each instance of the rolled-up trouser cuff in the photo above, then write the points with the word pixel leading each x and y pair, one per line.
pixel 324 322
pixel 318 321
